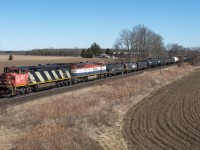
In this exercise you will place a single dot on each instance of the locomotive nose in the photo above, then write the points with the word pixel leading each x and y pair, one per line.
pixel 4 82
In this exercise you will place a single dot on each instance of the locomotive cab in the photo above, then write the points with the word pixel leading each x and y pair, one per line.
pixel 18 76
pixel 14 80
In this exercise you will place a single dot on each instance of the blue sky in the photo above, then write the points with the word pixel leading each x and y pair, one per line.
pixel 30 24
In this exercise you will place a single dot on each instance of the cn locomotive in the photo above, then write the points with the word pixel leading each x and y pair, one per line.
pixel 19 80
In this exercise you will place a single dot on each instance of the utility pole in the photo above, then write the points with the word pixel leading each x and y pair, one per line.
pixel 161 65
pixel 0 48
pixel 122 79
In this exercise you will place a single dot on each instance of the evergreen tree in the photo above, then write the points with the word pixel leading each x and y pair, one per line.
pixel 96 49
pixel 89 53
pixel 83 53
pixel 108 51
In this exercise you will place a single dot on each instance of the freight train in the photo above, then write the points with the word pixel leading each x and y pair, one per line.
pixel 19 80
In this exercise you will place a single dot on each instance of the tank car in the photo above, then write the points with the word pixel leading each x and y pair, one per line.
pixel 114 69
pixel 130 66
pixel 141 65
pixel 167 61
pixel 176 59
pixel 187 58
pixel 161 61
pixel 152 63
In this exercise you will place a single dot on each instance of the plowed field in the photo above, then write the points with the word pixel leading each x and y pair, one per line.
pixel 168 119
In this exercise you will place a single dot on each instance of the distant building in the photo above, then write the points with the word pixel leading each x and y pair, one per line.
pixel 103 56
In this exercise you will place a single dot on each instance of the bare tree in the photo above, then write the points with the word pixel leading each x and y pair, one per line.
pixel 140 40
pixel 124 41
pixel 148 43
pixel 175 50
pixel 156 47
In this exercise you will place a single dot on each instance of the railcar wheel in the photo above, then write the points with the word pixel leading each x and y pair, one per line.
pixel 62 84
pixel 22 91
pixel 65 83
pixel 1 93
pixel 28 90
pixel 57 84
pixel 35 88
pixel 8 93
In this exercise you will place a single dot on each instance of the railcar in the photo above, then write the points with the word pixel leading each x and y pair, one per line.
pixel 161 61
pixel 152 63
pixel 141 65
pixel 167 61
pixel 187 58
pixel 176 59
pixel 172 61
pixel 114 69
pixel 130 66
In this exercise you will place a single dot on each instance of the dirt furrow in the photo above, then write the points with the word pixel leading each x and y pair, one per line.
pixel 169 119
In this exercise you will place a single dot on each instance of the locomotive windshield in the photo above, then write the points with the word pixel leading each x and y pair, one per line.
pixel 17 71
pixel 11 71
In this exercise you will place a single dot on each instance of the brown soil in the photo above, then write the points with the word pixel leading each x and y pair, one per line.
pixel 25 60
pixel 168 119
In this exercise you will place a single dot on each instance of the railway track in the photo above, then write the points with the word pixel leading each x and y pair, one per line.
pixel 52 91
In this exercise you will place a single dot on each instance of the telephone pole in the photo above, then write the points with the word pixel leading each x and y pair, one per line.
pixel 0 48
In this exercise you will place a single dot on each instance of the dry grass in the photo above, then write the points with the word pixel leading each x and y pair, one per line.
pixel 54 137
pixel 75 120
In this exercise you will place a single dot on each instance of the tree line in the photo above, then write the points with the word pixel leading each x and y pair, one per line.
pixel 140 42
pixel 55 52
pixel 144 43
pixel 93 51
